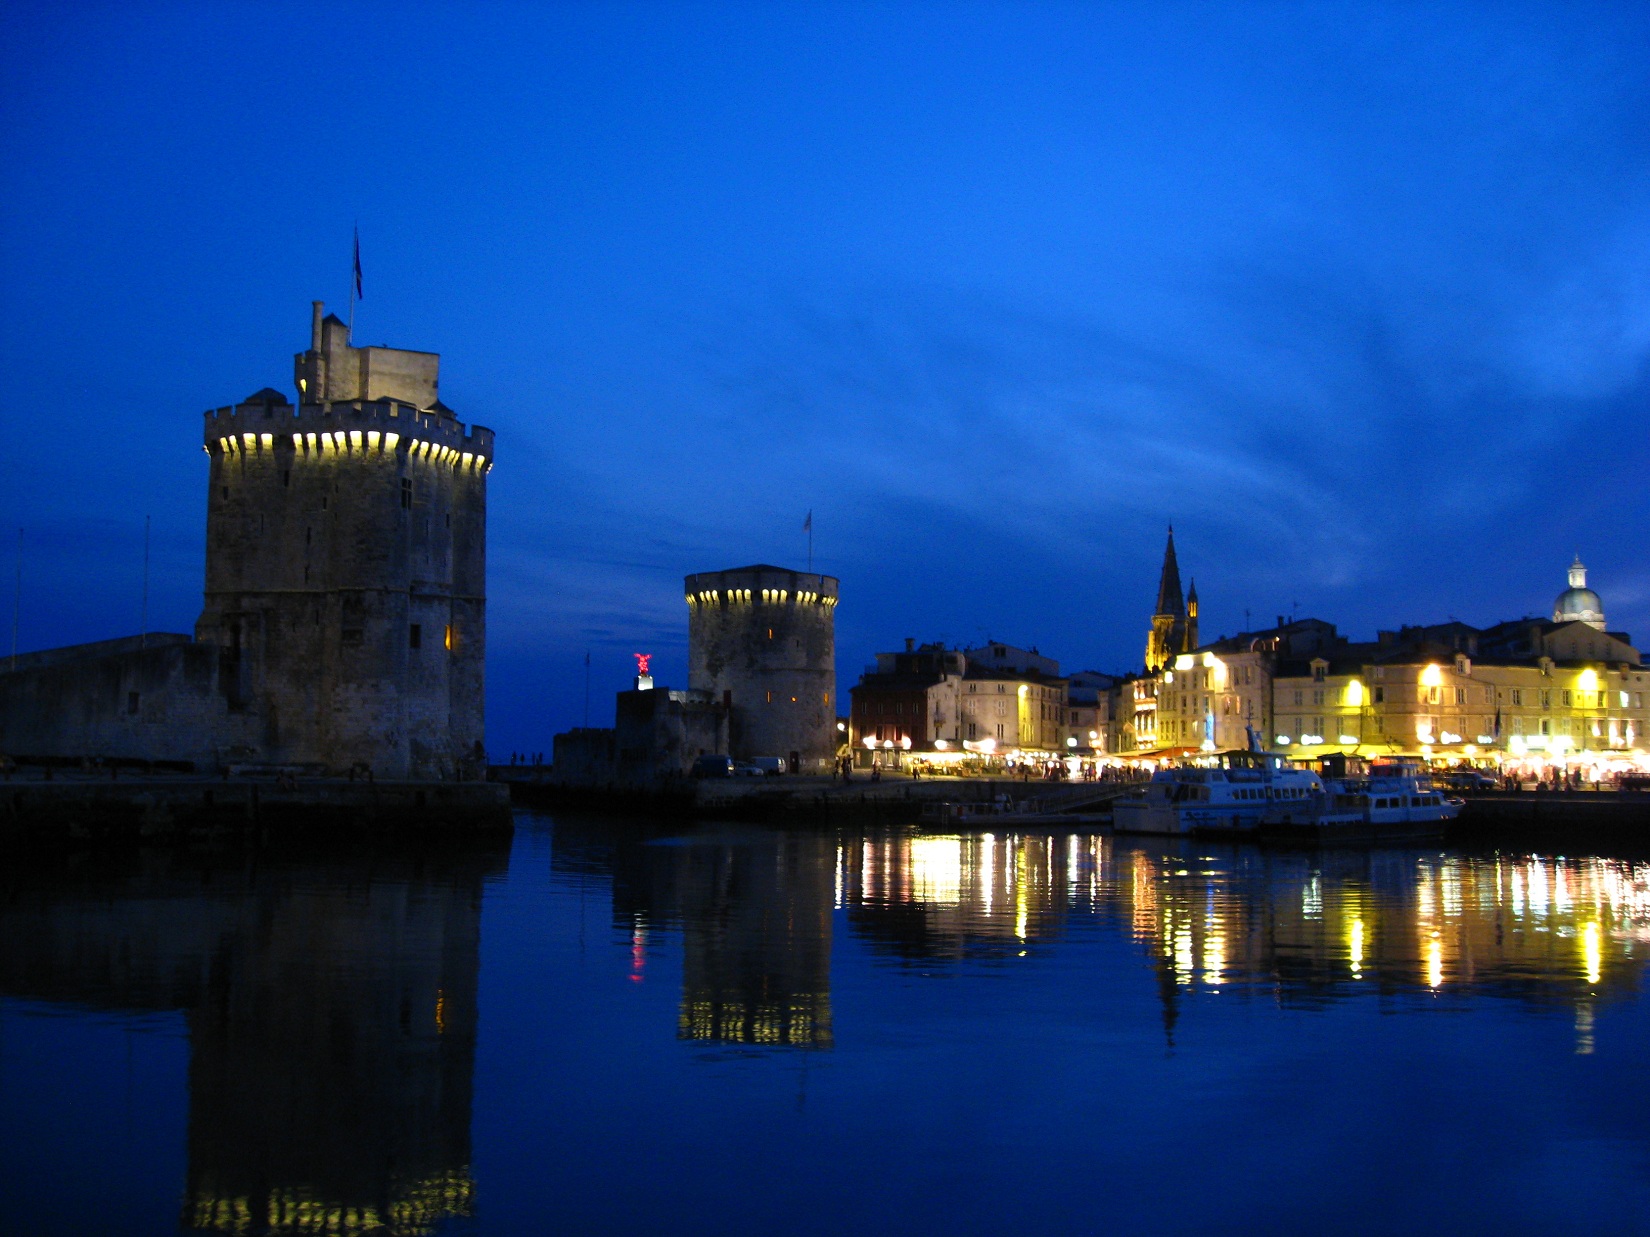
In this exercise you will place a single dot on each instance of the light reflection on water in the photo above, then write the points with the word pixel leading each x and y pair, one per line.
pixel 340 1009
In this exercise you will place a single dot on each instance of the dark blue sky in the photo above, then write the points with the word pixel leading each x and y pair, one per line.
pixel 1359 298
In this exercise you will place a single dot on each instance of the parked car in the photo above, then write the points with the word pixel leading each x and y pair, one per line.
pixel 712 766
pixel 1466 779
pixel 773 766
pixel 742 769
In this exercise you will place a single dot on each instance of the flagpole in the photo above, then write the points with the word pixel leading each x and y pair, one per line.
pixel 143 640
pixel 17 599
pixel 355 265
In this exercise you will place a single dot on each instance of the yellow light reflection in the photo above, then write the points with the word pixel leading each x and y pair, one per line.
pixel 1020 905
pixel 1435 963
pixel 936 870
pixel 1355 947
pixel 1592 953
pixel 1214 958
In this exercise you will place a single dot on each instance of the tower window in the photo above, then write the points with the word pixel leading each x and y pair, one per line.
pixel 131 702
pixel 286 478
pixel 415 637
pixel 448 637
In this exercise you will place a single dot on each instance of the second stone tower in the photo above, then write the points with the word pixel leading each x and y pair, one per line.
pixel 762 640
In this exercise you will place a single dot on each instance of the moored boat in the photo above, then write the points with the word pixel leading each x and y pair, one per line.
pixel 1392 799
pixel 1219 794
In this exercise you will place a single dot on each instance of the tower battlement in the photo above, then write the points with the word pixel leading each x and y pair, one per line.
pixel 316 432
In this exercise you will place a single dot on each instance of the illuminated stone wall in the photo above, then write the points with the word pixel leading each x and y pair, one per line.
pixel 763 639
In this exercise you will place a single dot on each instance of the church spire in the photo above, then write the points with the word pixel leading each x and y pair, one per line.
pixel 1168 634
pixel 1169 599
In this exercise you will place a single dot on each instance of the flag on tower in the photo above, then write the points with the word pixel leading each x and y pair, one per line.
pixel 808 524
pixel 358 294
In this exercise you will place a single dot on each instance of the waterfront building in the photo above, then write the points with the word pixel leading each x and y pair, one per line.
pixel 997 700
pixel 1090 697
pixel 1528 693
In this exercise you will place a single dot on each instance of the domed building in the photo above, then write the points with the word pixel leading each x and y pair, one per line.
pixel 1578 603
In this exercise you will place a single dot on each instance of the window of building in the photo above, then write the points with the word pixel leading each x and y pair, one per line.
pixel 1299 697
pixel 999 730
pixel 1546 700
pixel 1518 695
pixel 769 699
pixel 131 702
pixel 415 636
pixel 1317 674
pixel 1460 695
pixel 1317 696
pixel 1380 695
pixel 972 729
pixel 1567 698
pixel 447 638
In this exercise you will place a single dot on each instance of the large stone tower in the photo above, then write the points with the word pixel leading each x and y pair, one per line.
pixel 346 556
pixel 763 641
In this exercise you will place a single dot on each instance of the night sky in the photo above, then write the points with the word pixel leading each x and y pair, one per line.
pixel 1357 298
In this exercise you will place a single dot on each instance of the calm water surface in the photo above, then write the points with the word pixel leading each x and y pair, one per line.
pixel 607 1027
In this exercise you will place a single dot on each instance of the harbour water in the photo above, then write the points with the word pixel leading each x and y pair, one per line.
pixel 617 1026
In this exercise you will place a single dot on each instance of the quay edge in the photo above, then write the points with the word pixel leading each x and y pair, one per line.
pixel 40 813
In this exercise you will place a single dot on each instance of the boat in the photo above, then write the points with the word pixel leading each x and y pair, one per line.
pixel 1215 794
pixel 1390 799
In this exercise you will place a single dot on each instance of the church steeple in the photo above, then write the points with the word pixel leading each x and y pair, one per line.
pixel 1169 600
pixel 1168 634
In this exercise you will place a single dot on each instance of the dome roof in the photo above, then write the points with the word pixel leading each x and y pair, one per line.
pixel 1578 603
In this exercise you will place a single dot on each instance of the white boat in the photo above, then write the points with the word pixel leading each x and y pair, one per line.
pixel 1393 799
pixel 1221 793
